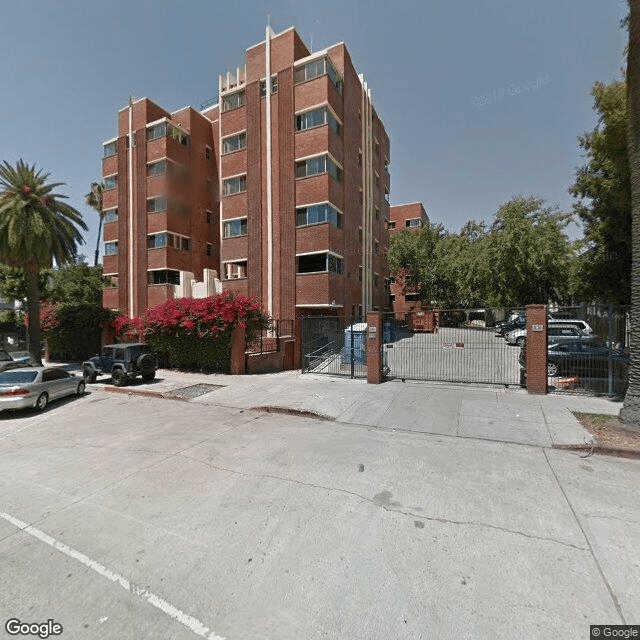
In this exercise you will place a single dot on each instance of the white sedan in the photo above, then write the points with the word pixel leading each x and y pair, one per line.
pixel 37 386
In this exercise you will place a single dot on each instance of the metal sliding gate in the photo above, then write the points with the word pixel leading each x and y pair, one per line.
pixel 451 346
pixel 334 345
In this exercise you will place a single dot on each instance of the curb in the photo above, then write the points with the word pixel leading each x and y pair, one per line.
pixel 607 451
pixel 146 393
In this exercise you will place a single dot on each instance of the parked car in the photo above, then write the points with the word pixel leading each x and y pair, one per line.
pixel 123 361
pixel 8 362
pixel 583 325
pixel 37 386
pixel 581 357
pixel 554 330
pixel 511 325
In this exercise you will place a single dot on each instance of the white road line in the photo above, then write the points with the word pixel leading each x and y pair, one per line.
pixel 191 623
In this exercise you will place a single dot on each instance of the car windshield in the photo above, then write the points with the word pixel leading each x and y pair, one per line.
pixel 17 377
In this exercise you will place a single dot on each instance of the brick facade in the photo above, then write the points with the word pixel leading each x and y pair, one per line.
pixel 413 217
pixel 262 259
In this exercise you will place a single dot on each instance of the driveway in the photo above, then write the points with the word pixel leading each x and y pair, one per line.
pixel 131 517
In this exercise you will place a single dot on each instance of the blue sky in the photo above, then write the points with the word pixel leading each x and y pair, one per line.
pixel 482 99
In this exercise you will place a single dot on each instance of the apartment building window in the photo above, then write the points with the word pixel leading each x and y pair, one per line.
pixel 110 182
pixel 233 101
pixel 360 273
pixel 315 69
pixel 164 239
pixel 391 225
pixel 360 234
pixel 376 247
pixel 412 297
pixel 415 222
pixel 274 86
pixel 110 149
pixel 235 269
pixel 376 280
pixel 156 204
pixel 318 213
pixel 157 168
pixel 111 248
pixel 392 279
pixel 320 262
pixel 163 129
pixel 393 297
pixel 317 118
pixel 234 228
pixel 163 276
pixel 207 153
pixel 234 143
pixel 234 185
pixel 208 217
pixel 359 158
pixel 209 249
pixel 376 213
pixel 110 215
pixel 317 165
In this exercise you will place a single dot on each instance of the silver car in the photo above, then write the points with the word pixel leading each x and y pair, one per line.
pixel 36 387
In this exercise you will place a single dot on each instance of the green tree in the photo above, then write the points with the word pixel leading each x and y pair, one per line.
pixel 93 199
pixel 36 228
pixel 78 284
pixel 527 254
pixel 415 261
pixel 14 283
pixel 630 411
pixel 603 190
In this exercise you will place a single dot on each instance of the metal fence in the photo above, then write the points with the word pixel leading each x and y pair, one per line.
pixel 453 345
pixel 266 340
pixel 595 362
pixel 334 345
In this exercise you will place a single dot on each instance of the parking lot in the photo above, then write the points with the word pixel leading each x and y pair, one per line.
pixel 454 355
pixel 136 518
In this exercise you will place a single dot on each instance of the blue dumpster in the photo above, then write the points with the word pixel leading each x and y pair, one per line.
pixel 359 331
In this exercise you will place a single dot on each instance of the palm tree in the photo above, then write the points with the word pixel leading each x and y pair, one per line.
pixel 630 411
pixel 93 199
pixel 36 227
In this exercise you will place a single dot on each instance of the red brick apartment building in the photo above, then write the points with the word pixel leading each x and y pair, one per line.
pixel 280 191
pixel 413 217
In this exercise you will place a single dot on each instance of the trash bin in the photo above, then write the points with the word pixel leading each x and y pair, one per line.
pixel 359 331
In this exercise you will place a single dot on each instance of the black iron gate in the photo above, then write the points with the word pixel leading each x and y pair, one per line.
pixel 334 345
pixel 459 345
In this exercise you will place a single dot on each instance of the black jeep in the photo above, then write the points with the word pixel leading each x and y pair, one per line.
pixel 123 361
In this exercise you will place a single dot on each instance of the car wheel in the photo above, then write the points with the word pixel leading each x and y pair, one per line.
pixel 552 369
pixel 42 402
pixel 521 341
pixel 80 389
pixel 119 378
pixel 89 375
pixel 148 377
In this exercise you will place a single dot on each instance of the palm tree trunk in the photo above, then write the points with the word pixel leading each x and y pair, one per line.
pixel 95 261
pixel 33 308
pixel 630 412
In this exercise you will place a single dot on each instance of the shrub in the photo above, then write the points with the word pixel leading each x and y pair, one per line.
pixel 73 331
pixel 196 333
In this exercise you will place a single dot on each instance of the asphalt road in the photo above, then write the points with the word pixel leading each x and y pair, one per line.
pixel 140 518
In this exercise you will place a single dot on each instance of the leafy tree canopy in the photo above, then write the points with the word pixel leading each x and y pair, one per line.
pixel 603 192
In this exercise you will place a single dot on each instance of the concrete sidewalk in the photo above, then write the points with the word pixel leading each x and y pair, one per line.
pixel 469 411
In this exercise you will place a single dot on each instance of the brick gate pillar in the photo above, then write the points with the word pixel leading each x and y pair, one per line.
pixel 238 348
pixel 536 348
pixel 374 347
